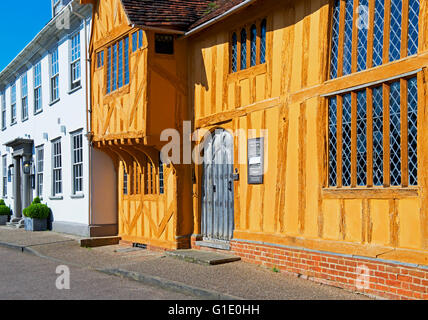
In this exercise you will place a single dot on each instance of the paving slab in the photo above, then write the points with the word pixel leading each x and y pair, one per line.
pixel 20 237
pixel 203 257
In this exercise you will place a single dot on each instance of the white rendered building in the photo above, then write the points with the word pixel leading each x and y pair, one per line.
pixel 44 150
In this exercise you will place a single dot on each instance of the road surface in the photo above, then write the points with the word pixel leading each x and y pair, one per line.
pixel 27 277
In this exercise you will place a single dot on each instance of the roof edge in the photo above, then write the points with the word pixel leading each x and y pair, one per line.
pixel 214 20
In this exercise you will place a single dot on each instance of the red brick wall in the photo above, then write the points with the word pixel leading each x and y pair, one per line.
pixel 369 276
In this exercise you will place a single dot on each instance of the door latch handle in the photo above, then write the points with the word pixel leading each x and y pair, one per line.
pixel 214 188
pixel 230 185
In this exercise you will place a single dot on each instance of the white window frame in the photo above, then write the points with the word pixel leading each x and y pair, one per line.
pixel 13 117
pixel 56 7
pixel 54 75
pixel 24 97
pixel 4 175
pixel 77 163
pixel 3 112
pixel 75 64
pixel 40 162
pixel 57 177
pixel 38 107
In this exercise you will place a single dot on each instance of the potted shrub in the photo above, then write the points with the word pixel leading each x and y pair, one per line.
pixel 4 213
pixel 36 216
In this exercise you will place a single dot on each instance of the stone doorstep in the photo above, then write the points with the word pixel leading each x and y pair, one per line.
pixel 203 257
pixel 99 242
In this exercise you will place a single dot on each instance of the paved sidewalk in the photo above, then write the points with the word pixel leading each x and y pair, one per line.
pixel 237 280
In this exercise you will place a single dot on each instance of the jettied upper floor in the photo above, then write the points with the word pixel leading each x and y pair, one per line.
pixel 139 71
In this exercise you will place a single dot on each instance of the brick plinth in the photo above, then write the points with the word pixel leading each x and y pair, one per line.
pixel 370 276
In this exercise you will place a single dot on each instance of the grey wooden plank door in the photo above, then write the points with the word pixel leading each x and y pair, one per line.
pixel 217 199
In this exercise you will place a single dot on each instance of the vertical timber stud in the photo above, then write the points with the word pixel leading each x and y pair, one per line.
pixel 322 129
pixel 302 167
pixel 423 152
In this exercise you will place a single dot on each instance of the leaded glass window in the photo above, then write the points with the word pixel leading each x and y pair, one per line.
pixel 413 28
pixel 395 30
pixel 263 28
pixel 335 39
pixel 361 138
pixel 346 139
pixel 377 136
pixel 243 49
pixel 253 47
pixel 332 156
pixel 365 116
pixel 412 127
pixel 234 53
pixel 347 46
pixel 342 34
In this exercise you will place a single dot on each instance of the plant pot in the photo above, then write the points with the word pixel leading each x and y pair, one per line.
pixel 3 220
pixel 36 224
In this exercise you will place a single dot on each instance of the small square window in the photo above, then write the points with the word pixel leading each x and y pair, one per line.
pixel 164 44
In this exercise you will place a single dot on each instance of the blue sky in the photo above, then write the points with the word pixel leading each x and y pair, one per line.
pixel 20 21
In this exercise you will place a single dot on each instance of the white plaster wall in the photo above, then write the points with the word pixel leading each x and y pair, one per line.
pixel 69 111
pixel 104 189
